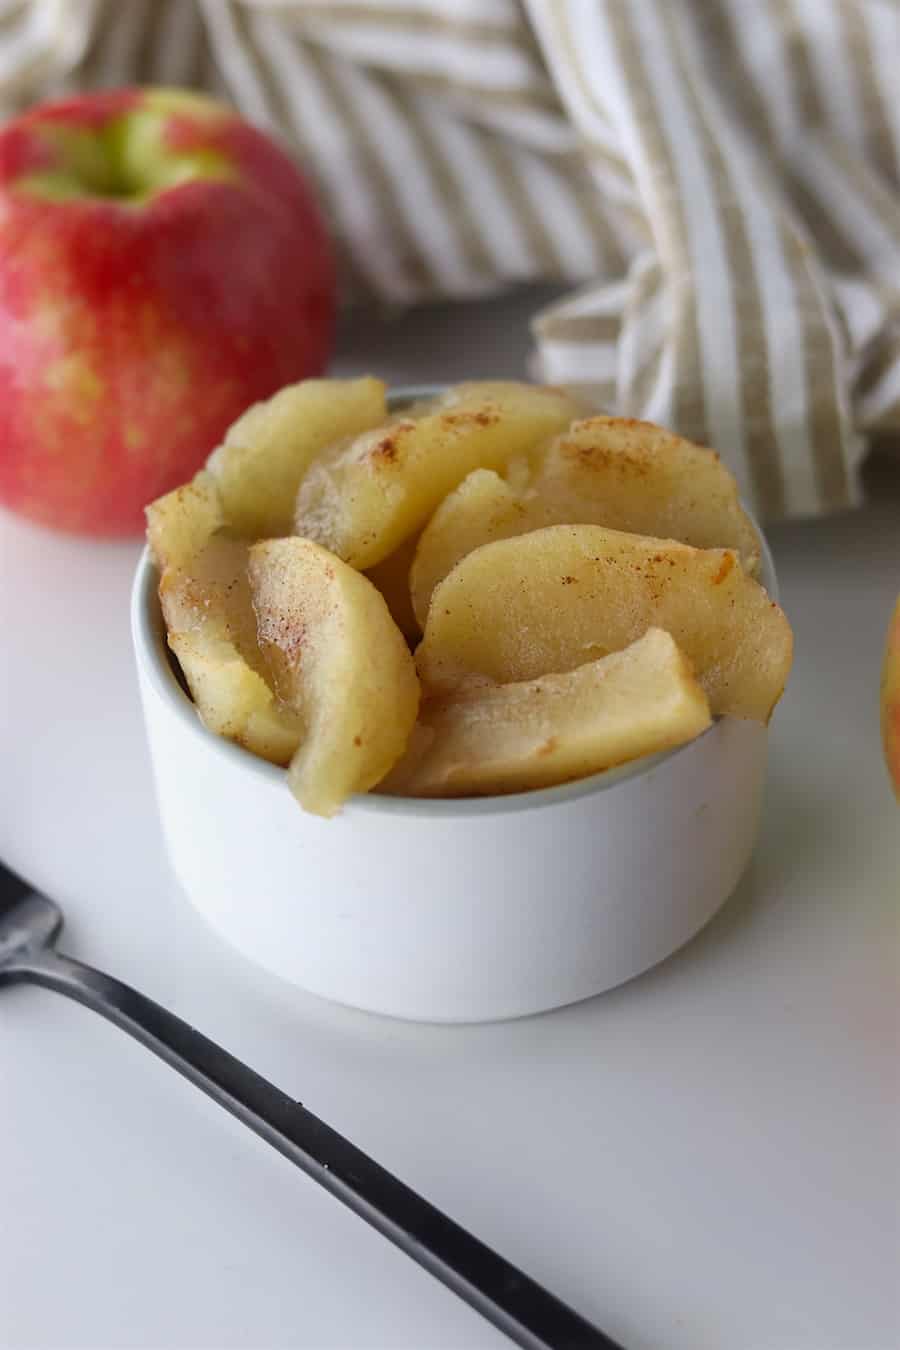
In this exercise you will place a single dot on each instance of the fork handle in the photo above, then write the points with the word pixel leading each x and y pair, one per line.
pixel 530 1315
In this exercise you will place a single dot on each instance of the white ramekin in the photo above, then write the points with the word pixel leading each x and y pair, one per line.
pixel 450 911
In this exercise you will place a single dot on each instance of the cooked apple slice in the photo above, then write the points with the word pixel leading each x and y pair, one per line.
pixel 391 577
pixel 266 452
pixel 513 737
pixel 212 631
pixel 233 699
pixel 551 600
pixel 362 500
pixel 611 471
pixel 205 600
pixel 180 523
pixel 483 508
pixel 637 477
pixel 339 662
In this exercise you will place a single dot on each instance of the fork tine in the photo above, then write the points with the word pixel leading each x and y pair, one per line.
pixel 29 922
pixel 12 888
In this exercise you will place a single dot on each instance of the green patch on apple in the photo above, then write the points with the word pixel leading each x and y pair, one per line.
pixel 129 158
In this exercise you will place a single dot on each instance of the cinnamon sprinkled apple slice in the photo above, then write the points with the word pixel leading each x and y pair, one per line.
pixel 513 737
pixel 339 662
pixel 548 601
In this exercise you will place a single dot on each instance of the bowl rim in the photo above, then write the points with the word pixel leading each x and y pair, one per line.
pixel 153 659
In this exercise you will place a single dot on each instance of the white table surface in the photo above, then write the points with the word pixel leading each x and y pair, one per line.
pixel 705 1159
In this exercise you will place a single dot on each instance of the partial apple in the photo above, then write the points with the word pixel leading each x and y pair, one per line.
pixel 890 700
pixel 163 265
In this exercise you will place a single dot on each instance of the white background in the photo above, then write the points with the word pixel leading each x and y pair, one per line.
pixel 705 1159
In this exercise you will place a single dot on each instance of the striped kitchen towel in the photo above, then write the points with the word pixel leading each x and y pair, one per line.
pixel 719 180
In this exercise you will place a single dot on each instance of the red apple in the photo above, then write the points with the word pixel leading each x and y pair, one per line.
pixel 162 265
pixel 890 700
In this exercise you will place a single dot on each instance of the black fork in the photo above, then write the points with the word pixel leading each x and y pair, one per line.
pixel 527 1313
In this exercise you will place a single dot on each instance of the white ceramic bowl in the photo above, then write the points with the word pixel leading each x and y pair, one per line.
pixel 450 911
